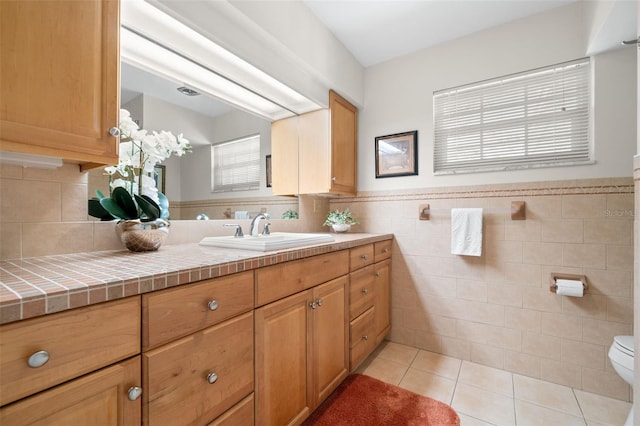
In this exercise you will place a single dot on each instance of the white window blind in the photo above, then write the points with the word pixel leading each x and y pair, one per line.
pixel 236 165
pixel 537 118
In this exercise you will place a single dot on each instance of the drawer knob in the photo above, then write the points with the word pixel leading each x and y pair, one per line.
pixel 38 359
pixel 134 393
pixel 212 378
pixel 114 131
pixel 365 337
pixel 365 291
pixel 378 274
pixel 385 250
pixel 364 257
pixel 313 304
pixel 213 305
pixel 319 302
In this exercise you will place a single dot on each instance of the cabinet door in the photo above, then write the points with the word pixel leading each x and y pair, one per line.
pixel 59 78
pixel 284 156
pixel 330 338
pixel 382 299
pixel 344 145
pixel 283 395
pixel 100 398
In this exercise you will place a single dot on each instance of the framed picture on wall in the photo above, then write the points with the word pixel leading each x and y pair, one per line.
pixel 160 177
pixel 268 168
pixel 397 155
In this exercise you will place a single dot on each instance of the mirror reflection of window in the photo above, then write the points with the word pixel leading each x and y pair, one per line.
pixel 236 165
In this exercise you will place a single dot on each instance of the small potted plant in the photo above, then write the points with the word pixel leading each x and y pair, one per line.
pixel 340 220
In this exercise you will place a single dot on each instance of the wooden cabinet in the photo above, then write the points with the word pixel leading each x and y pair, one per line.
pixel 316 152
pixel 73 343
pixel 301 352
pixel 198 351
pixel 284 156
pixel 74 359
pixel 100 398
pixel 197 378
pixel 59 79
pixel 370 299
pixel 328 140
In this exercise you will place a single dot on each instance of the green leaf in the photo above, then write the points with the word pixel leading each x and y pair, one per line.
pixel 114 209
pixel 96 210
pixel 99 194
pixel 148 207
pixel 124 200
pixel 164 206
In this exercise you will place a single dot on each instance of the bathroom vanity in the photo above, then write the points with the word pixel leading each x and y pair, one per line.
pixel 241 338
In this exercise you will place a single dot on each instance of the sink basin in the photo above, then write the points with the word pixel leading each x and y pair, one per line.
pixel 274 241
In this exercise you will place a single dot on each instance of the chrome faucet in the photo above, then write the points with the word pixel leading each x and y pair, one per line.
pixel 255 223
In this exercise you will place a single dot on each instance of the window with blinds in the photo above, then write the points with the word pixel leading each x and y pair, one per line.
pixel 538 118
pixel 236 165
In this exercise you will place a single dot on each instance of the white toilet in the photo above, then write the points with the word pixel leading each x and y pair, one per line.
pixel 621 356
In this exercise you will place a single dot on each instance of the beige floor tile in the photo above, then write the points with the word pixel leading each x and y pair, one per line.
pixel 396 352
pixel 471 421
pixel 602 409
pixel 481 404
pixel 489 378
pixel 383 369
pixel 428 384
pixel 441 365
pixel 546 394
pixel 528 414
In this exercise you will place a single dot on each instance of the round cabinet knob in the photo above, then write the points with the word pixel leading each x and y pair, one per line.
pixel 212 378
pixel 385 250
pixel 319 302
pixel 333 179
pixel 38 359
pixel 364 257
pixel 378 274
pixel 114 131
pixel 365 337
pixel 134 393
pixel 313 305
pixel 213 305
pixel 365 291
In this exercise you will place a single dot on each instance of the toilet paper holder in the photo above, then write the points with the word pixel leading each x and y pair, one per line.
pixel 559 276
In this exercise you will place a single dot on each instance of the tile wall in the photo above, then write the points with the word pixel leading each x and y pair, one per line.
pixel 497 309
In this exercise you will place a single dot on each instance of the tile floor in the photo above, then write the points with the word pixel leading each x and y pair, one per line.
pixel 488 396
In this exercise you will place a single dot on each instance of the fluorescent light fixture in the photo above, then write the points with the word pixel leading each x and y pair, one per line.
pixel 213 70
pixel 29 160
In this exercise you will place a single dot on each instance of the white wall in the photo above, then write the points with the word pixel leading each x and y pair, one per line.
pixel 398 96
pixel 196 167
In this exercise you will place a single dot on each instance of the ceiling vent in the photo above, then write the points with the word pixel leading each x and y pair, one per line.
pixel 187 91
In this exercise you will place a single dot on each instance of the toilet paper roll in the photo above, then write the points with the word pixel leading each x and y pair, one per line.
pixel 572 288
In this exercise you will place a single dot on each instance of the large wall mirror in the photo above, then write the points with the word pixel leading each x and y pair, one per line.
pixel 156 104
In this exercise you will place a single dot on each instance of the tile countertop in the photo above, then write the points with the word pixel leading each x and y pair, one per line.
pixel 38 286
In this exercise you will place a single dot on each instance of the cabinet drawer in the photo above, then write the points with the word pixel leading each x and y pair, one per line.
pixel 240 414
pixel 361 291
pixel 362 337
pixel 361 257
pixel 177 312
pixel 281 280
pixel 382 250
pixel 78 341
pixel 88 400
pixel 178 382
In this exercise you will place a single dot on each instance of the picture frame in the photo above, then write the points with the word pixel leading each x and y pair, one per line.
pixel 397 154
pixel 268 169
pixel 160 177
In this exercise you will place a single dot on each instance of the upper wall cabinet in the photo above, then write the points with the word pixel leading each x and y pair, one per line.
pixel 316 153
pixel 59 79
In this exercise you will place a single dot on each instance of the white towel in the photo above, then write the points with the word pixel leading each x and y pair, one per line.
pixel 466 232
pixel 241 214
